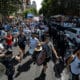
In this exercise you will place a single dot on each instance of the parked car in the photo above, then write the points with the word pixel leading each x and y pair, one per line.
pixel 74 34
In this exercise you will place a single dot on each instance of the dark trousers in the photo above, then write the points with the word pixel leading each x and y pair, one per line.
pixel 75 77
pixel 8 46
pixel 10 77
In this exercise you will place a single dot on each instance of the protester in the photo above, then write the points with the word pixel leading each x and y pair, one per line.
pixel 74 62
pixel 9 62
pixel 9 40
pixel 33 41
pixel 50 49
pixel 39 56
pixel 22 41
pixel 41 46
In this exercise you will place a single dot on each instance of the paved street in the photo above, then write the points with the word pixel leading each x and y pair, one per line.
pixel 29 71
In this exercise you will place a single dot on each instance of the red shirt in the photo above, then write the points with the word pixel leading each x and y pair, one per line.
pixel 9 40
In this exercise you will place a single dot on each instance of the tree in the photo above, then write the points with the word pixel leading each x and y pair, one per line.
pixel 30 10
pixel 7 7
pixel 66 7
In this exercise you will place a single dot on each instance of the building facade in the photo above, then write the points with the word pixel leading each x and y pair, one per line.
pixel 26 4
pixel 34 4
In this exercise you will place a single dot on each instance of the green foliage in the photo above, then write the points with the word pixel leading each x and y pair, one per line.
pixel 66 7
pixel 7 7
pixel 25 12
pixel 30 10
pixel 34 11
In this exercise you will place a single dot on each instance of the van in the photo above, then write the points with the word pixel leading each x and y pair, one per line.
pixel 74 34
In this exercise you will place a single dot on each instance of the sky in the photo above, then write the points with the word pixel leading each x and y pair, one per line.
pixel 38 2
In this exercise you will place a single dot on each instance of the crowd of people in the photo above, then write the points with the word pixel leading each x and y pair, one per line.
pixel 63 43
pixel 43 47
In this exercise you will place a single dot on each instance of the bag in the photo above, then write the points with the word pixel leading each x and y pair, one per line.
pixel 41 57
pixel 58 68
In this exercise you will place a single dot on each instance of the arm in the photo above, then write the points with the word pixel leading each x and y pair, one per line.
pixel 55 53
pixel 19 56
pixel 2 55
pixel 54 50
pixel 8 38
pixel 70 59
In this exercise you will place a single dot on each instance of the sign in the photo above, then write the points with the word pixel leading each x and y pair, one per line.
pixel 30 15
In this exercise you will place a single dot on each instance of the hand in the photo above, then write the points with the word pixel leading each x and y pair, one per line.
pixel 2 55
pixel 18 58
pixel 57 57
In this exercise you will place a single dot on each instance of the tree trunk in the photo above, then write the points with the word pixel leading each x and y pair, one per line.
pixel 4 19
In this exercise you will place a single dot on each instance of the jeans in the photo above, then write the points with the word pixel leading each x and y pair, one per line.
pixel 10 77
pixel 8 47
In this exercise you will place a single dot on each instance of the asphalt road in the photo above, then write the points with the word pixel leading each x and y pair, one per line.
pixel 30 71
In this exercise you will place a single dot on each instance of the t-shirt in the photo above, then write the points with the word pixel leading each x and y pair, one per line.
pixel 48 47
pixel 75 66
pixel 33 42
pixel 27 33
pixel 7 27
pixel 9 40
pixel 21 40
